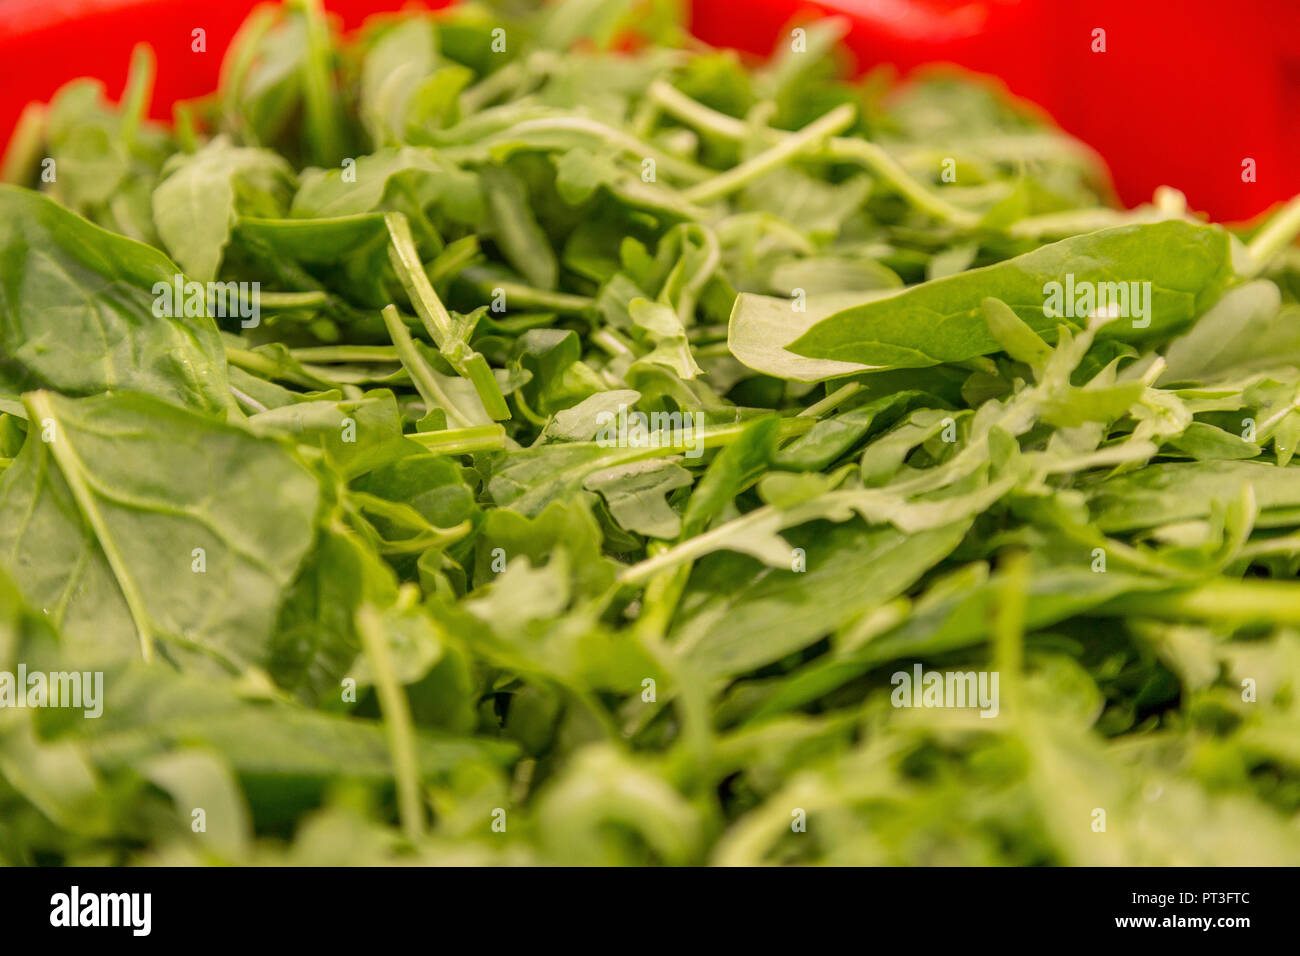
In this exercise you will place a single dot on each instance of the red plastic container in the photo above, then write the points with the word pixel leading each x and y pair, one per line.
pixel 1185 92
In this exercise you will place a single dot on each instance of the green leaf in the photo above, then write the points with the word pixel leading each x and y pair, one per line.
pixel 635 494
pixel 394 69
pixel 77 311
pixel 823 275
pixel 762 330
pixel 137 524
pixel 200 195
pixel 1015 337
pixel 743 615
pixel 1182 491
pixel 149 710
pixel 378 180
pixel 735 468
pixel 1187 266
pixel 1247 329
pixel 515 229
pixel 624 420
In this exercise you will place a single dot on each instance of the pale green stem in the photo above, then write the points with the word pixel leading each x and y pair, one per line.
pixel 696 114
pixel 438 321
pixel 318 92
pixel 692 548
pixel 812 136
pixel 612 342
pixel 410 270
pixel 462 441
pixel 74 473
pixel 662 596
pixel 1288 544
pixel 25 145
pixel 247 401
pixel 397 721
pixel 860 151
pixel 239 60
pixel 1266 601
pixel 329 354
pixel 1279 233
pixel 517 295
pixel 421 375
pixel 187 134
pixel 886 167
pixel 138 92
pixel 288 301
pixel 1276 418
pixel 831 401
pixel 491 86
pixel 1009 626
pixel 260 364
pixel 678 168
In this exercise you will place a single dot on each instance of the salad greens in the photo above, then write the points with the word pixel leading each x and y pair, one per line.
pixel 541 438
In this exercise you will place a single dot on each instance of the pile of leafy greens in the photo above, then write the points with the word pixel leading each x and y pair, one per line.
pixel 576 430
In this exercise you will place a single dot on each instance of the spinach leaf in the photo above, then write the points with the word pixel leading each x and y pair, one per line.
pixel 134 523
pixel 1187 268
pixel 79 311
pixel 267 744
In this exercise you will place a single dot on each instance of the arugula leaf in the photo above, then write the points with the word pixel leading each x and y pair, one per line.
pixel 1170 492
pixel 395 69
pixel 201 193
pixel 394 178
pixel 739 615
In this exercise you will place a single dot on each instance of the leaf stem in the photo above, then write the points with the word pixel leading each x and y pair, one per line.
pixel 694 113
pixel 612 342
pixel 518 294
pixel 1277 234
pixel 887 168
pixel 253 405
pixel 850 149
pixel 1240 602
pixel 1009 625
pixel 831 401
pixel 138 92
pixel 461 441
pixel 692 548
pixel 330 354
pixel 323 123
pixel 397 721
pixel 491 86
pixel 288 301
pixel 426 383
pixel 266 367
pixel 243 52
pixel 812 136
pixel 74 472
pixel 438 321
pixel 26 145
pixel 410 270
pixel 678 168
